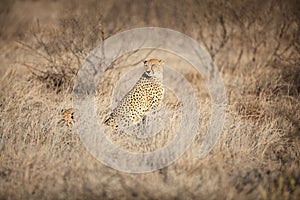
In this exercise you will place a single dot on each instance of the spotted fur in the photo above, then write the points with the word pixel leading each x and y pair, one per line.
pixel 145 96
pixel 68 117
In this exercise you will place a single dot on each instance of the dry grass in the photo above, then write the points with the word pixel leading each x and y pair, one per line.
pixel 256 46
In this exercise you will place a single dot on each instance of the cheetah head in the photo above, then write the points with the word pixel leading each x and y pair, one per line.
pixel 154 67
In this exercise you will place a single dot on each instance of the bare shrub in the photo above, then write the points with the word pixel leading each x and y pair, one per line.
pixel 61 50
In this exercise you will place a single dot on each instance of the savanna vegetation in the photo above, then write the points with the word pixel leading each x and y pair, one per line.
pixel 254 44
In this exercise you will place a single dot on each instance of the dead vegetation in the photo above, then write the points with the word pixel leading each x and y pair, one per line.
pixel 256 47
pixel 61 49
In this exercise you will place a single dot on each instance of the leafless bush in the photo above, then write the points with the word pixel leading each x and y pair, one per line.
pixel 60 50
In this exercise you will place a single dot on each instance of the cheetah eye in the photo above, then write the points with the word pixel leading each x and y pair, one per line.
pixel 153 67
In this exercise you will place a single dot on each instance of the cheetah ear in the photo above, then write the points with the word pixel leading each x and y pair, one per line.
pixel 161 62
pixel 145 61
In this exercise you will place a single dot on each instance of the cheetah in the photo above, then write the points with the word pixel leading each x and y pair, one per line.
pixel 67 117
pixel 145 97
